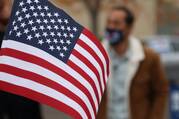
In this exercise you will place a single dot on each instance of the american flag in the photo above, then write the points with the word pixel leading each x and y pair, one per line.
pixel 50 58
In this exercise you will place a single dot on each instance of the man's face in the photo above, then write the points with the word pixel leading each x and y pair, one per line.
pixel 5 11
pixel 116 20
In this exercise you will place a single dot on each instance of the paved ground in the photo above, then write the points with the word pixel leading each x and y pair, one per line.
pixel 50 113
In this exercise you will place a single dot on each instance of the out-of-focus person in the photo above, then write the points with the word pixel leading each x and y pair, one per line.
pixel 5 11
pixel 12 106
pixel 138 88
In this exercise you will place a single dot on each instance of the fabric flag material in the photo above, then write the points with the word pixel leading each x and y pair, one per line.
pixel 48 57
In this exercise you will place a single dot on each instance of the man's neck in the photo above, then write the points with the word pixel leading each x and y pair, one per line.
pixel 1 37
pixel 122 48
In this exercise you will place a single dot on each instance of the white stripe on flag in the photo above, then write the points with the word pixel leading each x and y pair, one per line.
pixel 22 82
pixel 85 39
pixel 91 59
pixel 49 58
pixel 48 74
pixel 85 68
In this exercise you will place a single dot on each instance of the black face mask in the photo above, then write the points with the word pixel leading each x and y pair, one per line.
pixel 114 36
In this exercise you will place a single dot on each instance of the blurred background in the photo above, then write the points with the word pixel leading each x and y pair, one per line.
pixel 157 25
pixel 154 17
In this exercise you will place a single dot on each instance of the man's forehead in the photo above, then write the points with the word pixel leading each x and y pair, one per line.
pixel 117 15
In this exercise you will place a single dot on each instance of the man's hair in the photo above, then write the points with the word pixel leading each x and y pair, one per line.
pixel 130 18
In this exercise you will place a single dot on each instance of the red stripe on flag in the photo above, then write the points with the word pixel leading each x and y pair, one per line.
pixel 39 98
pixel 88 63
pixel 44 81
pixel 84 74
pixel 98 44
pixel 36 60
pixel 95 56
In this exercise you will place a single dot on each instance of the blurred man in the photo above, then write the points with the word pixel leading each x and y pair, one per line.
pixel 12 106
pixel 5 8
pixel 138 87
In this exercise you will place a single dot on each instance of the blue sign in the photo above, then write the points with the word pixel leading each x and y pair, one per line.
pixel 174 101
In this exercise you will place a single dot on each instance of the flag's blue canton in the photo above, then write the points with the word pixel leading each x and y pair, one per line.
pixel 42 25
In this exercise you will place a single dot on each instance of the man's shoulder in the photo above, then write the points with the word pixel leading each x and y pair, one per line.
pixel 151 55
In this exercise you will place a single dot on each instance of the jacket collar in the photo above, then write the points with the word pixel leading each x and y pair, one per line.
pixel 137 51
pixel 136 48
